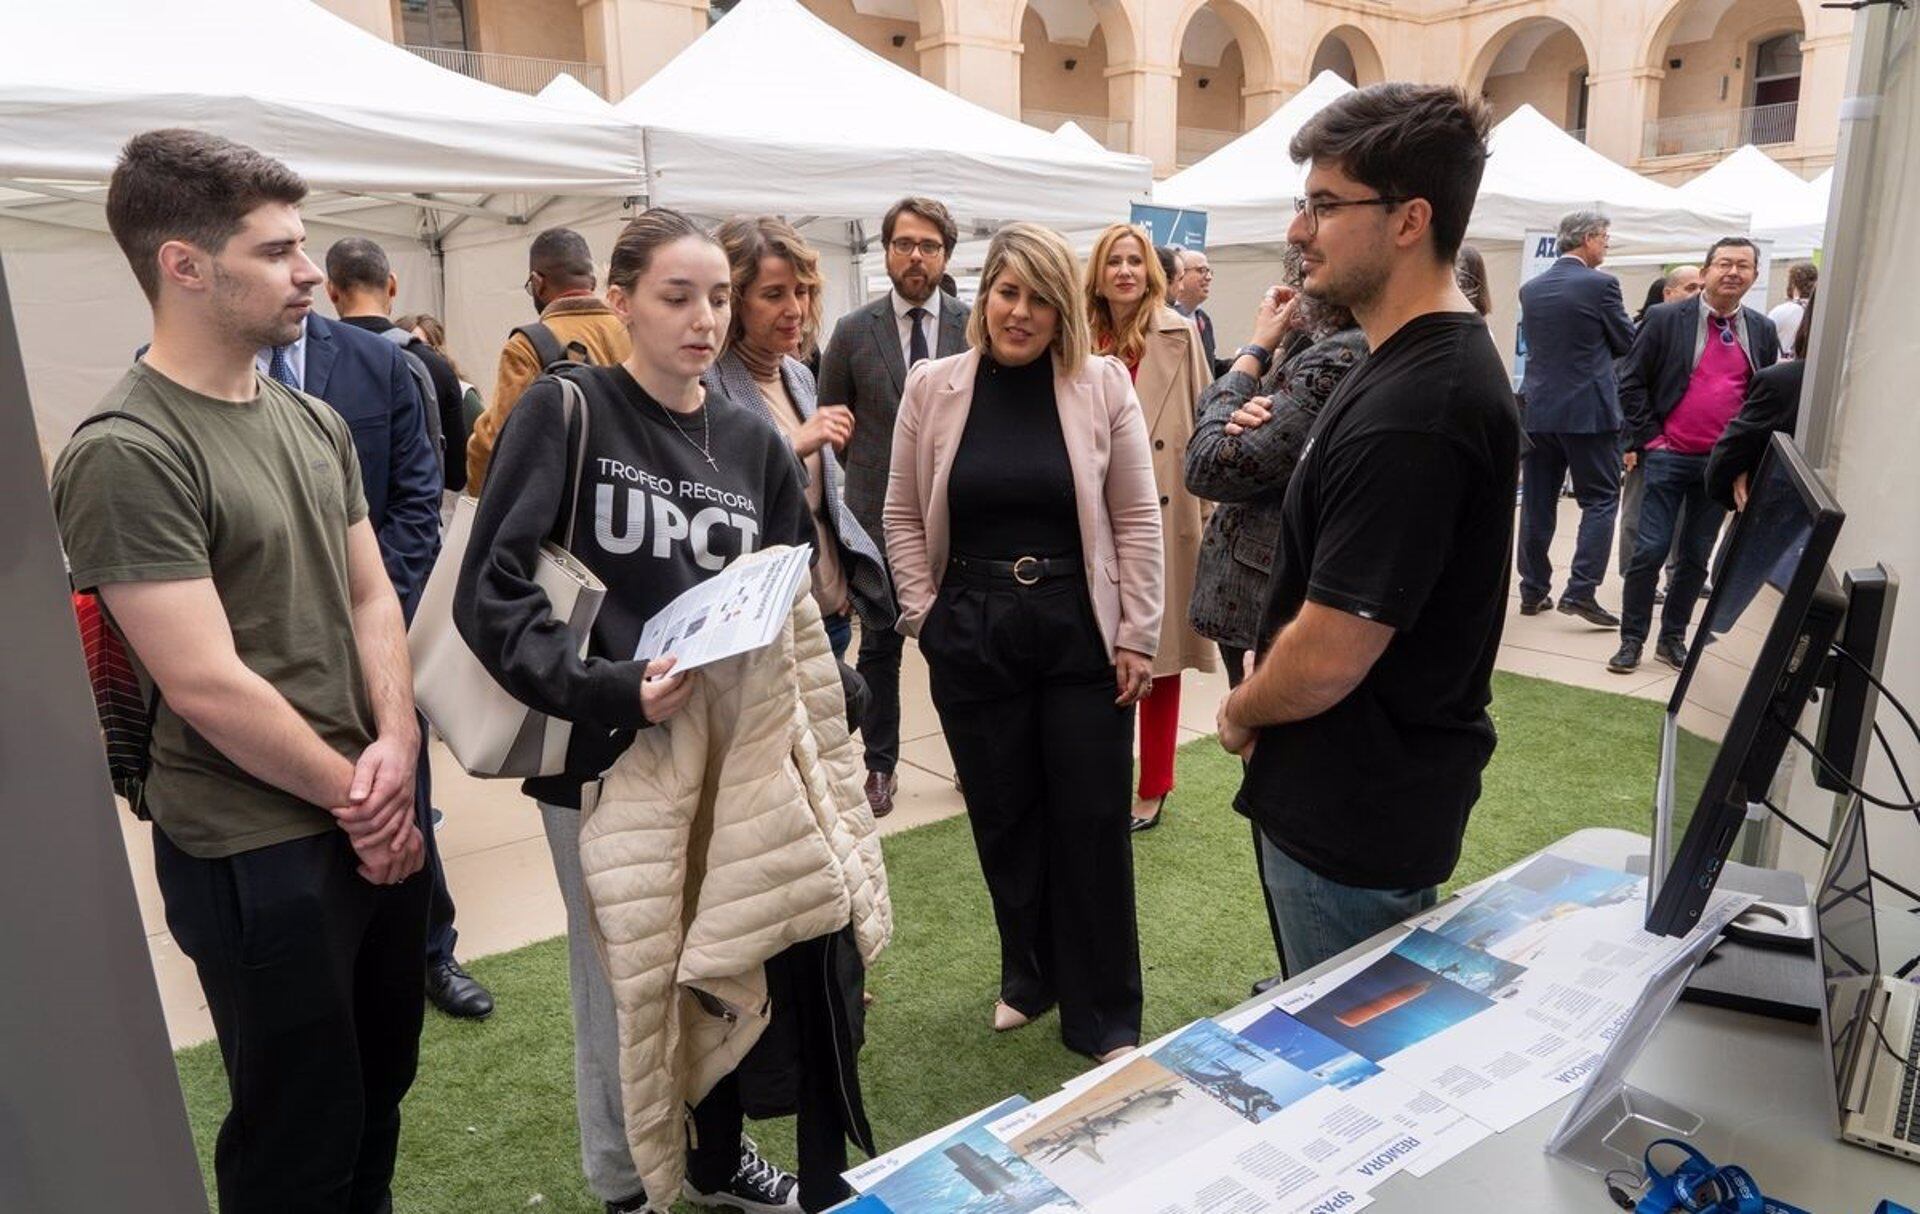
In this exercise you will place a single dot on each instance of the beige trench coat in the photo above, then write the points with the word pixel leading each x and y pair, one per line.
pixel 1173 374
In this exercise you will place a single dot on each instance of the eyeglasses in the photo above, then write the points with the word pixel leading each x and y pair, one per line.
pixel 926 248
pixel 527 286
pixel 1315 209
pixel 1725 327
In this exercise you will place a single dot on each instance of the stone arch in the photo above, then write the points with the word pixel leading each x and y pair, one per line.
pixel 1115 25
pixel 1256 49
pixel 1659 36
pixel 1527 26
pixel 1361 54
pixel 1066 49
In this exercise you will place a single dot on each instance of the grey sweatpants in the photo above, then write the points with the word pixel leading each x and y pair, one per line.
pixel 596 1037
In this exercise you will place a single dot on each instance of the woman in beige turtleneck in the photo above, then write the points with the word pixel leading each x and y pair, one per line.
pixel 776 315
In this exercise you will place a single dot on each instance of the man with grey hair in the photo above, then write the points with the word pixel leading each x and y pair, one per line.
pixel 1574 324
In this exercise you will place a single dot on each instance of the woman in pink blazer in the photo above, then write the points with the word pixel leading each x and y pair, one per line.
pixel 1023 531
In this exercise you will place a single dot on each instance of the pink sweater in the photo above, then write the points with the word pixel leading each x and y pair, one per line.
pixel 1712 399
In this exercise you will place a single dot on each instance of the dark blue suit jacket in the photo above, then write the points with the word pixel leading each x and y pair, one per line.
pixel 1656 371
pixel 1576 325
pixel 365 380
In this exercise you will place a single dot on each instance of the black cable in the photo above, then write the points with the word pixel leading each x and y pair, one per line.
pixel 1886 693
pixel 1887 748
pixel 1807 744
pixel 1823 845
pixel 1888 1045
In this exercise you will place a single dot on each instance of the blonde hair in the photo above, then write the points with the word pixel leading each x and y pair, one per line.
pixel 746 242
pixel 1128 344
pixel 1041 258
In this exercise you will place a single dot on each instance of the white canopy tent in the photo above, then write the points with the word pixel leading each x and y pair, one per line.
pixel 1787 210
pixel 567 93
pixel 1247 187
pixel 394 147
pixel 774 110
pixel 1535 173
pixel 1073 135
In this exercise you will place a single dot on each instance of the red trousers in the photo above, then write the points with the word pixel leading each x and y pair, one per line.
pixel 1159 731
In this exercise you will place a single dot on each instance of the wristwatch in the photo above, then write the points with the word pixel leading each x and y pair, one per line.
pixel 1259 354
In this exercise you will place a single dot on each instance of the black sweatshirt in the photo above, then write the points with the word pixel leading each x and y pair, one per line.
pixel 654 520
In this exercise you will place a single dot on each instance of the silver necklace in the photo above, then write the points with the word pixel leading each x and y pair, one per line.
pixel 705 445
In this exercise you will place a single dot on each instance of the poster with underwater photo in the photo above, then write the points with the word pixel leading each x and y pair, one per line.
pixel 1561 881
pixel 1287 1037
pixel 1251 1082
pixel 1481 973
pixel 970 1172
pixel 1389 1006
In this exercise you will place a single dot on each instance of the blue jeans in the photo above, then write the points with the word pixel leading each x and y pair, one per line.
pixel 1320 918
pixel 839 633
pixel 1676 516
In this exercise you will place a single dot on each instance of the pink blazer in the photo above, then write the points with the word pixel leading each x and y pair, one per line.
pixel 1119 508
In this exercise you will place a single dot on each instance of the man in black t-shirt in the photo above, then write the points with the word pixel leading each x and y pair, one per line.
pixel 1365 724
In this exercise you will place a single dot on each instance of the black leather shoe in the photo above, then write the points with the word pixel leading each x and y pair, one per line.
pixel 1535 606
pixel 637 1204
pixel 880 789
pixel 1590 611
pixel 1671 651
pixel 457 993
pixel 1626 659
pixel 1266 984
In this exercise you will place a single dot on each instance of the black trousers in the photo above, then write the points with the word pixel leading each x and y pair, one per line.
pixel 879 665
pixel 441 937
pixel 1025 689
pixel 1234 657
pixel 314 982
pixel 1594 461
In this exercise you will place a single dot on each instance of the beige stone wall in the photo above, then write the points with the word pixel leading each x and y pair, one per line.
pixel 1217 106
pixel 874 33
pixel 1716 73
pixel 1045 83
pixel 996 53
pixel 541 29
pixel 1548 84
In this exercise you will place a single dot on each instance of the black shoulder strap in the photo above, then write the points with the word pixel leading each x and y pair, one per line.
pixel 546 346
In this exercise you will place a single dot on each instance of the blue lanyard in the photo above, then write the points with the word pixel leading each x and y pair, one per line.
pixel 1696 1186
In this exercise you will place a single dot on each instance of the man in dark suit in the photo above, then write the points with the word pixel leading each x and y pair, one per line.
pixel 1681 384
pixel 1192 283
pixel 367 381
pixel 1575 325
pixel 865 368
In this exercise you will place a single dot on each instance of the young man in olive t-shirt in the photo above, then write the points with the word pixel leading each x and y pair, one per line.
pixel 223 524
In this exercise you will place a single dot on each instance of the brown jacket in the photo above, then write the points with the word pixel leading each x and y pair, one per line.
pixel 1173 374
pixel 1113 492
pixel 582 318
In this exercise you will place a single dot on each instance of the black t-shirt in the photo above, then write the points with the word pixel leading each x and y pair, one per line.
pixel 1401 511
pixel 655 519
pixel 1010 493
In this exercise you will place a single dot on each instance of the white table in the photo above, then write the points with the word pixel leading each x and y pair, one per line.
pixel 1760 1085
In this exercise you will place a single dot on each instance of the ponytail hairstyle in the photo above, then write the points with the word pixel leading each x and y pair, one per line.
pixel 646 234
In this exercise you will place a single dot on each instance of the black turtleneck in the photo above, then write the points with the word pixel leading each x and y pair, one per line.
pixel 1010 493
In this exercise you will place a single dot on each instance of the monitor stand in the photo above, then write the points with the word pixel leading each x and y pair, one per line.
pixel 1762 966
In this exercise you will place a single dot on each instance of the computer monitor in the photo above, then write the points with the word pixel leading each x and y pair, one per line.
pixel 1848 942
pixel 1767 626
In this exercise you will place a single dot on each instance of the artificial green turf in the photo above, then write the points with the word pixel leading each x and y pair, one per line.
pixel 490 1126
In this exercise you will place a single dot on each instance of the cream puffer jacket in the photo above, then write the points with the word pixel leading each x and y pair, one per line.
pixel 733 831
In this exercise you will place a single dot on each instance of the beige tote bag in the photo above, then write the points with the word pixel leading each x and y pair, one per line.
pixel 489 732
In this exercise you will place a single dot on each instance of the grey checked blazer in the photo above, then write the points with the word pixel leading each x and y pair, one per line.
pixel 866 572
pixel 864 370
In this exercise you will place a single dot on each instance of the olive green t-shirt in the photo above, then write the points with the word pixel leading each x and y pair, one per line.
pixel 257 496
